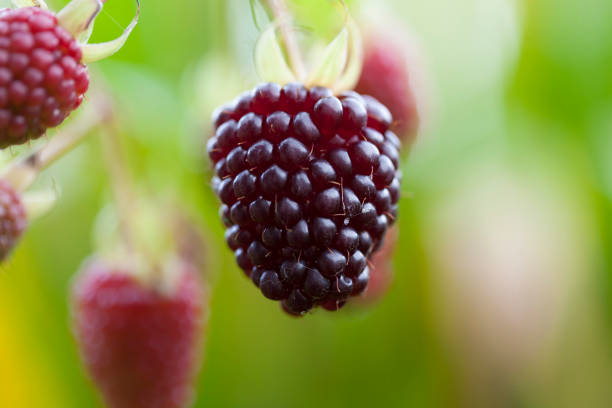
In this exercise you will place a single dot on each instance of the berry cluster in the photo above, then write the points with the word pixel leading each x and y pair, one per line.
pixel 12 219
pixel 42 78
pixel 139 345
pixel 309 186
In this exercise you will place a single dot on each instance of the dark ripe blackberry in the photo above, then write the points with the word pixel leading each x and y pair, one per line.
pixel 272 237
pixel 356 263
pixel 273 180
pixel 360 282
pixel 340 161
pixel 12 219
pixel 327 114
pixel 346 240
pixel 292 152
pixel 42 78
pixel 277 125
pixel 327 202
pixel 305 129
pixel 297 303
pixel 309 184
pixel 260 154
pixel 271 286
pixel 323 231
pixel 299 185
pixel 342 287
pixel 331 262
pixel 260 211
pixel 292 272
pixel 299 235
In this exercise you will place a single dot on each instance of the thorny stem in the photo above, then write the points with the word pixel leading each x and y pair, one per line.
pixel 283 17
pixel 23 173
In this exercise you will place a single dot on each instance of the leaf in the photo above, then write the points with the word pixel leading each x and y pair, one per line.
pixel 352 71
pixel 270 62
pixel 96 52
pixel 78 15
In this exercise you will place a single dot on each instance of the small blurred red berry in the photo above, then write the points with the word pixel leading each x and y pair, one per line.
pixel 387 75
pixel 140 346
pixel 12 219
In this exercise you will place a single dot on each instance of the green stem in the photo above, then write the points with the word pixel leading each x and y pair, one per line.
pixel 120 181
pixel 283 17
pixel 22 173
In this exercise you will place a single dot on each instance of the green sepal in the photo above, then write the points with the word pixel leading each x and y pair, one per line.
pixel 96 52
pixel 78 16
pixel 331 63
pixel 270 61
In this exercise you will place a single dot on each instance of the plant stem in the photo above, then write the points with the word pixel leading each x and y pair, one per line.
pixel 120 181
pixel 21 174
pixel 284 19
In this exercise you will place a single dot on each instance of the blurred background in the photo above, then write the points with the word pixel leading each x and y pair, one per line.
pixel 502 288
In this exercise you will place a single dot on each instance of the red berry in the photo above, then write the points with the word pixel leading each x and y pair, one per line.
pixel 12 219
pixel 140 346
pixel 386 76
pixel 381 270
pixel 42 79
pixel 309 185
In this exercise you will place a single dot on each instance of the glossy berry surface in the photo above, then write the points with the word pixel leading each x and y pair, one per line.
pixel 386 76
pixel 13 219
pixel 309 185
pixel 139 346
pixel 42 79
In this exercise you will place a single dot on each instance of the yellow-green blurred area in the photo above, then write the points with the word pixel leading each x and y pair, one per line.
pixel 502 289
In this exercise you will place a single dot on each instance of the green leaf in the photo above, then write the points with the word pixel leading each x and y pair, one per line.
pixel 78 15
pixel 270 62
pixel 96 52
pixel 331 63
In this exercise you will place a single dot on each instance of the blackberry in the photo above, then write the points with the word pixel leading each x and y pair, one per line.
pixel 309 185
pixel 42 78
pixel 12 219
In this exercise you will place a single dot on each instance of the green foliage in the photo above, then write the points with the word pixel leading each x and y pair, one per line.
pixel 522 90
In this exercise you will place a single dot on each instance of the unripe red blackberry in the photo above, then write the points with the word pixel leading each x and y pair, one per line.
pixel 42 77
pixel 139 345
pixel 387 75
pixel 12 219
pixel 381 270
pixel 309 185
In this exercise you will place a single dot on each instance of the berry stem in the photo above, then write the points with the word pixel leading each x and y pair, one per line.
pixel 22 173
pixel 282 15
pixel 120 180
